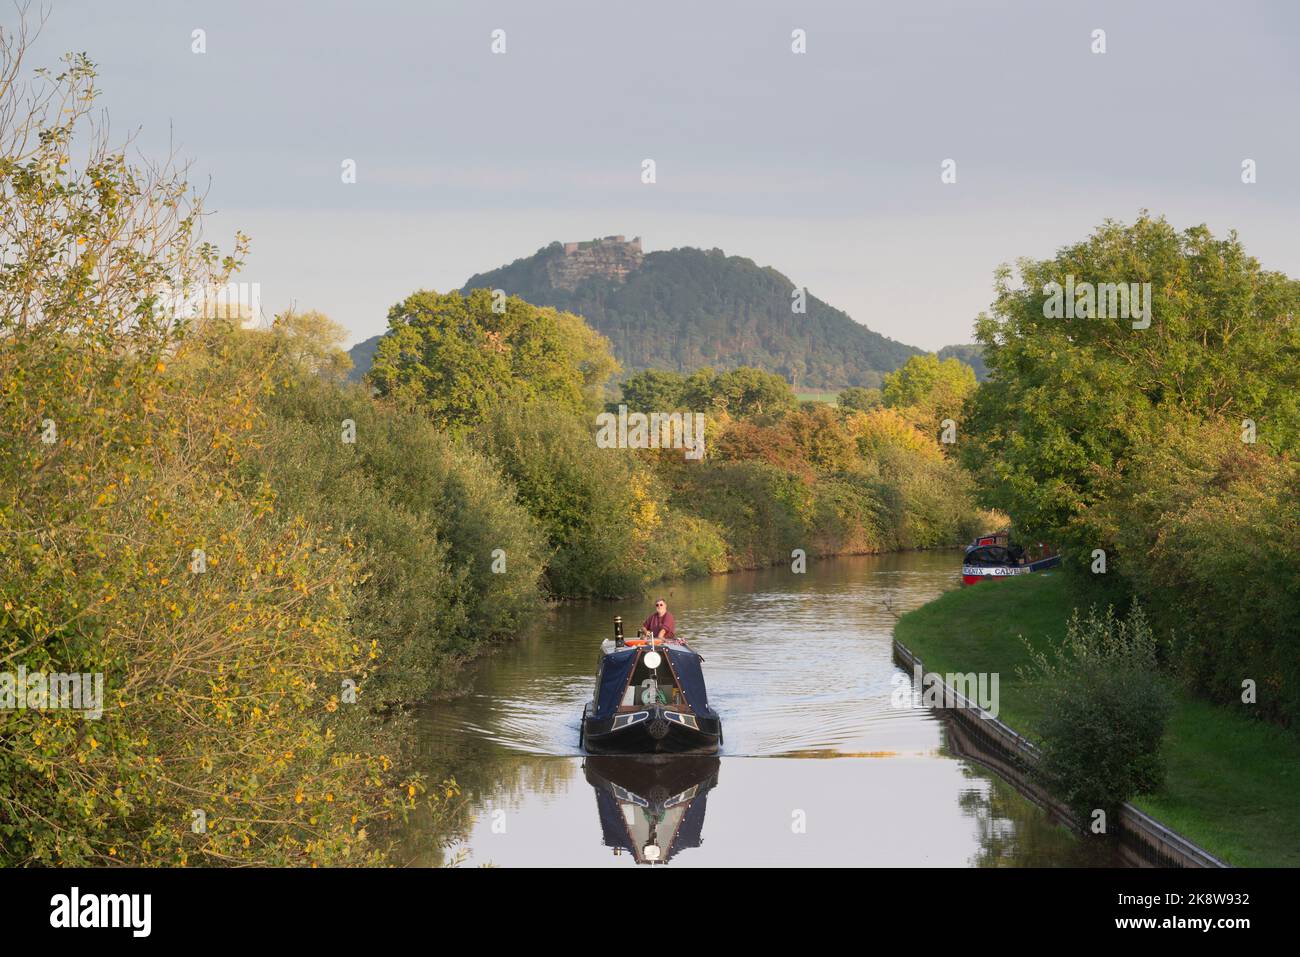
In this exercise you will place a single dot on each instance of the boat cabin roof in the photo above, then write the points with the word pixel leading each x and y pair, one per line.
pixel 681 664
pixel 992 555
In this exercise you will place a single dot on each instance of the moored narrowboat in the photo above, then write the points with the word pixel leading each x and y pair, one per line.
pixel 996 556
pixel 649 698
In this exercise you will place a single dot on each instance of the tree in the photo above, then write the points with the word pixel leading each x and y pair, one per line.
pixel 654 390
pixel 1068 400
pixel 591 352
pixel 930 389
pixel 133 547
pixel 456 358
pixel 890 429
pixel 971 354
pixel 860 399
pixel 312 343
pixel 748 392
pixel 820 434
pixel 740 392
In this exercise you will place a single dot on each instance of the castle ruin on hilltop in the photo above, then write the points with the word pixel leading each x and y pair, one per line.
pixel 612 257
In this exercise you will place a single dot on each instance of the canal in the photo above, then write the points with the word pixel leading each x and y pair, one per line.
pixel 819 766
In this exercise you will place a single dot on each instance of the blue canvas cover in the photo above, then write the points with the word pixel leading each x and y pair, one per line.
pixel 615 668
pixel 613 829
pixel 690 678
pixel 690 833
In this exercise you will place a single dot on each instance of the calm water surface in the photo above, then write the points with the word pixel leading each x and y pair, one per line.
pixel 817 768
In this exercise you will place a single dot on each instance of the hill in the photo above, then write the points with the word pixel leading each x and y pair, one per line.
pixel 972 355
pixel 686 308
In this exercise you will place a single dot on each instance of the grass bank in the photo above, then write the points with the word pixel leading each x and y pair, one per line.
pixel 1232 783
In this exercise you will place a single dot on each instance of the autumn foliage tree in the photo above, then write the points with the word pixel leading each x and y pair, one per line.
pixel 133 546
pixel 929 390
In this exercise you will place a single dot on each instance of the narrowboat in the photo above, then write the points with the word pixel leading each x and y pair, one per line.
pixel 651 808
pixel 649 699
pixel 995 556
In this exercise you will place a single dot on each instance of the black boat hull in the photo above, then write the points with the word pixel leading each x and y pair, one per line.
pixel 655 781
pixel 655 734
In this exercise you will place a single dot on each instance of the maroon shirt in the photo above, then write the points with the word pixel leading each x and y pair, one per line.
pixel 657 622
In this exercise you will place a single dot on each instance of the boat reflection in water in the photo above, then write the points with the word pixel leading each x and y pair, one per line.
pixel 651 807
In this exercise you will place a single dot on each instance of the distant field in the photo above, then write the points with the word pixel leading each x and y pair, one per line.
pixel 831 397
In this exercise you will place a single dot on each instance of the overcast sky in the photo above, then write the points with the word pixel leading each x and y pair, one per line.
pixel 824 165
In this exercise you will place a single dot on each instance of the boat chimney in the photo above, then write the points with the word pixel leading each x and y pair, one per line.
pixel 618 631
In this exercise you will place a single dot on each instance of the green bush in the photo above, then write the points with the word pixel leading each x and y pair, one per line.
pixel 605 516
pixel 848 517
pixel 1104 707
pixel 696 547
pixel 1208 532
pixel 759 507
pixel 427 512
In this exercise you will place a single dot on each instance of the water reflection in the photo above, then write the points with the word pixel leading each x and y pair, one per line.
pixel 820 767
pixel 651 809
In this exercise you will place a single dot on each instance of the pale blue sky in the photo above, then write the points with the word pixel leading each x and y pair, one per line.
pixel 824 165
